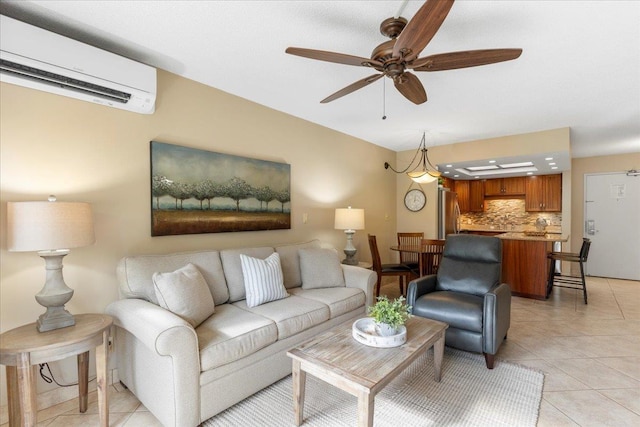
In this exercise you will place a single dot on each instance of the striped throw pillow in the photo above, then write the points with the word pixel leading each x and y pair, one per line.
pixel 263 280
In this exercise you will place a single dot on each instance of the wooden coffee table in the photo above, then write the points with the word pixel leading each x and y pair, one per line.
pixel 337 358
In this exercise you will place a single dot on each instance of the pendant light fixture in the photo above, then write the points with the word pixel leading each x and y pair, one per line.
pixel 422 171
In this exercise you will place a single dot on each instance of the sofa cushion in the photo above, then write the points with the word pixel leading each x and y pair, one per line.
pixel 231 335
pixel 290 262
pixel 463 311
pixel 135 273
pixel 230 259
pixel 262 279
pixel 339 300
pixel 320 268
pixel 185 293
pixel 291 315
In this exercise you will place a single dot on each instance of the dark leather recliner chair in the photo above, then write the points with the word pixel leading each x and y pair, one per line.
pixel 467 294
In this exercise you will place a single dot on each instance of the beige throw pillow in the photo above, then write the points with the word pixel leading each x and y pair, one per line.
pixel 263 280
pixel 185 293
pixel 320 268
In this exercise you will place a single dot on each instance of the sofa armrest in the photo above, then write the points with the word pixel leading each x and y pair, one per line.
pixel 496 317
pixel 419 287
pixel 161 349
pixel 361 278
pixel 155 327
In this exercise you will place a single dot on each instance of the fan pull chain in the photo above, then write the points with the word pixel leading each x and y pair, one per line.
pixel 384 99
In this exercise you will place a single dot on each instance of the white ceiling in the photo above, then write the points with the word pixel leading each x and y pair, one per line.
pixel 580 66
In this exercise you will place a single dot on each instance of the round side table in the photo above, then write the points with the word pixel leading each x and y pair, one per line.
pixel 23 348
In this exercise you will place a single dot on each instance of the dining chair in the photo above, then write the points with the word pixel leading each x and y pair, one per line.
pixel 402 271
pixel 569 281
pixel 410 259
pixel 433 249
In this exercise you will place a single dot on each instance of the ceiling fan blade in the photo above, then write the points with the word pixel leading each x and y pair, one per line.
pixel 339 58
pixel 463 59
pixel 352 88
pixel 421 29
pixel 409 86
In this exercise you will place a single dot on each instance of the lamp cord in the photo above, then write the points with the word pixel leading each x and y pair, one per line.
pixel 51 379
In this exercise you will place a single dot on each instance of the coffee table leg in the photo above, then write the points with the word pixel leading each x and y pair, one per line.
pixel 438 353
pixel 299 378
pixel 365 409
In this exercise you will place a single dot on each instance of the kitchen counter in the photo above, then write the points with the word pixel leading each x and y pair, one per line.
pixel 549 237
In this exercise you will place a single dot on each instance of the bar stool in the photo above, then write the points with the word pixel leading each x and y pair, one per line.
pixel 568 281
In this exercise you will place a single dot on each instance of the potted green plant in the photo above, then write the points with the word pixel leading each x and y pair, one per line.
pixel 389 315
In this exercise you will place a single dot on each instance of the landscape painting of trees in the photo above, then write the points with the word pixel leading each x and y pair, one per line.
pixel 198 191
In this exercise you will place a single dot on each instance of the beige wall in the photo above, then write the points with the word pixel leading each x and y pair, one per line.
pixel 86 152
pixel 588 165
pixel 531 143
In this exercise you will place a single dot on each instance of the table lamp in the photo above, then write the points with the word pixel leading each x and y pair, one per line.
pixel 349 220
pixel 51 228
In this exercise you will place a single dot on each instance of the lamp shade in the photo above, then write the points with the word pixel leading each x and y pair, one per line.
pixel 41 226
pixel 349 219
pixel 422 177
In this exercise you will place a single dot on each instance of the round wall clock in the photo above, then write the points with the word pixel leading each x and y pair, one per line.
pixel 415 200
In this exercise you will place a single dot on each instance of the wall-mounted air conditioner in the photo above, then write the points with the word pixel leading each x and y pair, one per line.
pixel 39 59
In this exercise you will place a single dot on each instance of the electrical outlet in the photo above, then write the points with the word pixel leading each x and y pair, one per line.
pixel 305 218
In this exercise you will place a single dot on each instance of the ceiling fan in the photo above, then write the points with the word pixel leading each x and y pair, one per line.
pixel 395 57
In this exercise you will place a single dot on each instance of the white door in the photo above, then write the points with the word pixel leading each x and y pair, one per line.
pixel 612 222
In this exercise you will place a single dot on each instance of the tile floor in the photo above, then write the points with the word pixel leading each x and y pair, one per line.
pixel 590 356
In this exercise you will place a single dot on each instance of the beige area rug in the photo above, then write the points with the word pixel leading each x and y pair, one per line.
pixel 468 395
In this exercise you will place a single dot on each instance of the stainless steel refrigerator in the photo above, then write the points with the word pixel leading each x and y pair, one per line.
pixel 448 213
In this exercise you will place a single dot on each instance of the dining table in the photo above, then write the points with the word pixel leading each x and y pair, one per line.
pixel 426 254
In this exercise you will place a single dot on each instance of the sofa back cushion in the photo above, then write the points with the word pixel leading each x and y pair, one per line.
pixel 135 273
pixel 290 261
pixel 233 268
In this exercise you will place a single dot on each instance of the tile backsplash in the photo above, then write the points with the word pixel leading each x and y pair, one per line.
pixel 508 212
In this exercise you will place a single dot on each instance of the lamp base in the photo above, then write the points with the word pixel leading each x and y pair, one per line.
pixel 351 257
pixel 55 318
pixel 54 294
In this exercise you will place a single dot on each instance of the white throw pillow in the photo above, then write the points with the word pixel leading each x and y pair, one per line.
pixel 320 268
pixel 262 279
pixel 185 293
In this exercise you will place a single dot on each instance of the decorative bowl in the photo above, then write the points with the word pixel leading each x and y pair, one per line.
pixel 364 331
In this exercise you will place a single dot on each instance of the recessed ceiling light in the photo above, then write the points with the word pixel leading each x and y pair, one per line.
pixel 456 176
pixel 482 168
pixel 476 177
pixel 516 165
pixel 492 161
pixel 446 172
pixel 529 173
pixel 554 167
pixel 548 158
pixel 449 166
pixel 552 163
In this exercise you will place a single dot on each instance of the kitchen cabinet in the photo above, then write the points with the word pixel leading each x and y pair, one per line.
pixel 543 193
pixel 476 196
pixel 505 187
pixel 462 189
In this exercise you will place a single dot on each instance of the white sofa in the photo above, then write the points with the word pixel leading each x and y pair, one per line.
pixel 185 375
